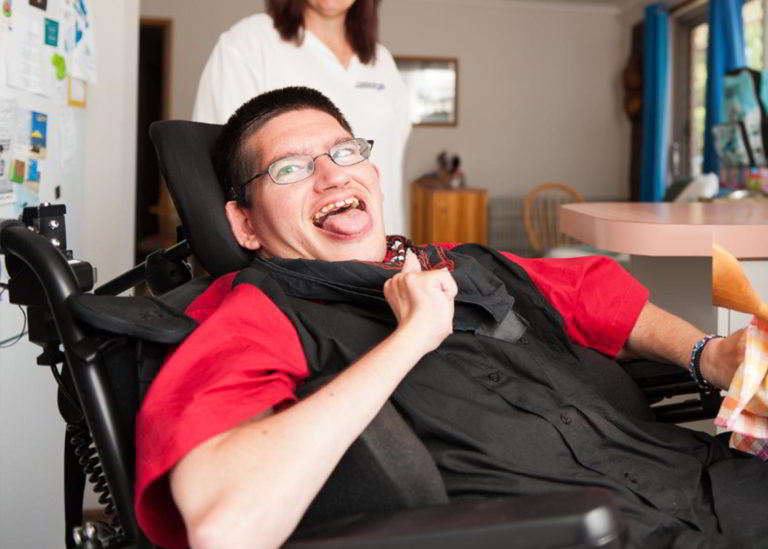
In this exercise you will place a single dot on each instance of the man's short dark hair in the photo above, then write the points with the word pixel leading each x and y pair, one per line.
pixel 231 162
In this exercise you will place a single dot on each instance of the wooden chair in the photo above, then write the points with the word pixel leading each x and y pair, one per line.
pixel 541 215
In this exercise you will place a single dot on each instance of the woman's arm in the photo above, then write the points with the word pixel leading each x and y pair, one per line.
pixel 229 79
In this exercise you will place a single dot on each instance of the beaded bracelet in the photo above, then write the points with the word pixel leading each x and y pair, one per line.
pixel 694 366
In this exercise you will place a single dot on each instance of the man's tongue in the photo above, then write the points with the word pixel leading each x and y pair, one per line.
pixel 348 222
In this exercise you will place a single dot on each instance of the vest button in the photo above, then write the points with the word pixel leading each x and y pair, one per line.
pixel 495 377
pixel 524 340
pixel 565 418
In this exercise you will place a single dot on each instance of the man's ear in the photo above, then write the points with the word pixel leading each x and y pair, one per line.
pixel 242 228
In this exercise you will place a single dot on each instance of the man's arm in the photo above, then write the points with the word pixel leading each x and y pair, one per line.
pixel 659 335
pixel 249 487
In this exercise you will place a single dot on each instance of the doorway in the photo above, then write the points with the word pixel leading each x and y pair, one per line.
pixel 156 218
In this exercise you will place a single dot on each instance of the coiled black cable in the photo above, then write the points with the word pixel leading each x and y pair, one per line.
pixel 85 450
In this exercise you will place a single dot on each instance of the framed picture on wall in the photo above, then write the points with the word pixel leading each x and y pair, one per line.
pixel 432 85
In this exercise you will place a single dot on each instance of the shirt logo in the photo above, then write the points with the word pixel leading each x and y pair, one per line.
pixel 370 85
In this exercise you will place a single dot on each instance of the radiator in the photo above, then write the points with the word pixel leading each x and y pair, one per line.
pixel 505 225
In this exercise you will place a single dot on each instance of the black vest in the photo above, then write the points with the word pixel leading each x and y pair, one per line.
pixel 506 405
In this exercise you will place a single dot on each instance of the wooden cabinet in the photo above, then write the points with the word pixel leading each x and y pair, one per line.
pixel 448 215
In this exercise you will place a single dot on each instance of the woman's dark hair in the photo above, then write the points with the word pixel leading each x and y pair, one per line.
pixel 362 24
pixel 233 166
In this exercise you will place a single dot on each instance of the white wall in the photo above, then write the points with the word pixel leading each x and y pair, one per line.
pixel 31 432
pixel 539 84
pixel 110 174
pixel 539 90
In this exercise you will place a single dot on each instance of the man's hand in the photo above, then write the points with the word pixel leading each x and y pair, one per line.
pixel 722 357
pixel 422 302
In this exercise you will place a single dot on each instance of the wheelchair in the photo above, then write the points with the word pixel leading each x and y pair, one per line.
pixel 386 492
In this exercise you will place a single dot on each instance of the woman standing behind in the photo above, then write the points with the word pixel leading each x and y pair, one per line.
pixel 330 45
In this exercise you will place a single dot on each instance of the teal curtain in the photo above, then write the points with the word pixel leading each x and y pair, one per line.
pixel 725 52
pixel 655 94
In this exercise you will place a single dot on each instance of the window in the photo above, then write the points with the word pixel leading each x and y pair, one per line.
pixel 698 98
pixel 698 36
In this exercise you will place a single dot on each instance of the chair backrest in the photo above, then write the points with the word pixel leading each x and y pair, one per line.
pixel 184 155
pixel 541 215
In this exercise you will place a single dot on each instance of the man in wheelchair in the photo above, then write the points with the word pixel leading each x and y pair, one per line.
pixel 495 361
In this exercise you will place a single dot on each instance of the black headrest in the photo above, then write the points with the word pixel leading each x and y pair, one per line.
pixel 184 154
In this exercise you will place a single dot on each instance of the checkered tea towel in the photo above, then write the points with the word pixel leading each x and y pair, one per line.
pixel 745 408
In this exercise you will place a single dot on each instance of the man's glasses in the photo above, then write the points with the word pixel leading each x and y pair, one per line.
pixel 293 169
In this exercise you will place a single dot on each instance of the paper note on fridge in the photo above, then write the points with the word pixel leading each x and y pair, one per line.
pixel 28 63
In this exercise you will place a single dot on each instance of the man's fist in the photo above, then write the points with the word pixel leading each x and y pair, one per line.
pixel 422 302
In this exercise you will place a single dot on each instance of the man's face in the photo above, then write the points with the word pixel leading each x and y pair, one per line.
pixel 289 221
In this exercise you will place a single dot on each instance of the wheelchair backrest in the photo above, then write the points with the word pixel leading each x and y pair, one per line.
pixel 183 152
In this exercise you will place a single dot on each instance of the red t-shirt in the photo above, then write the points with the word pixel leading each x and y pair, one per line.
pixel 246 357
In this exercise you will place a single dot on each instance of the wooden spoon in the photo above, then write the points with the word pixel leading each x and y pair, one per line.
pixel 730 287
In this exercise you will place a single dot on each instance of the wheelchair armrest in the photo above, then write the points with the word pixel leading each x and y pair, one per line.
pixel 583 518
pixel 659 380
